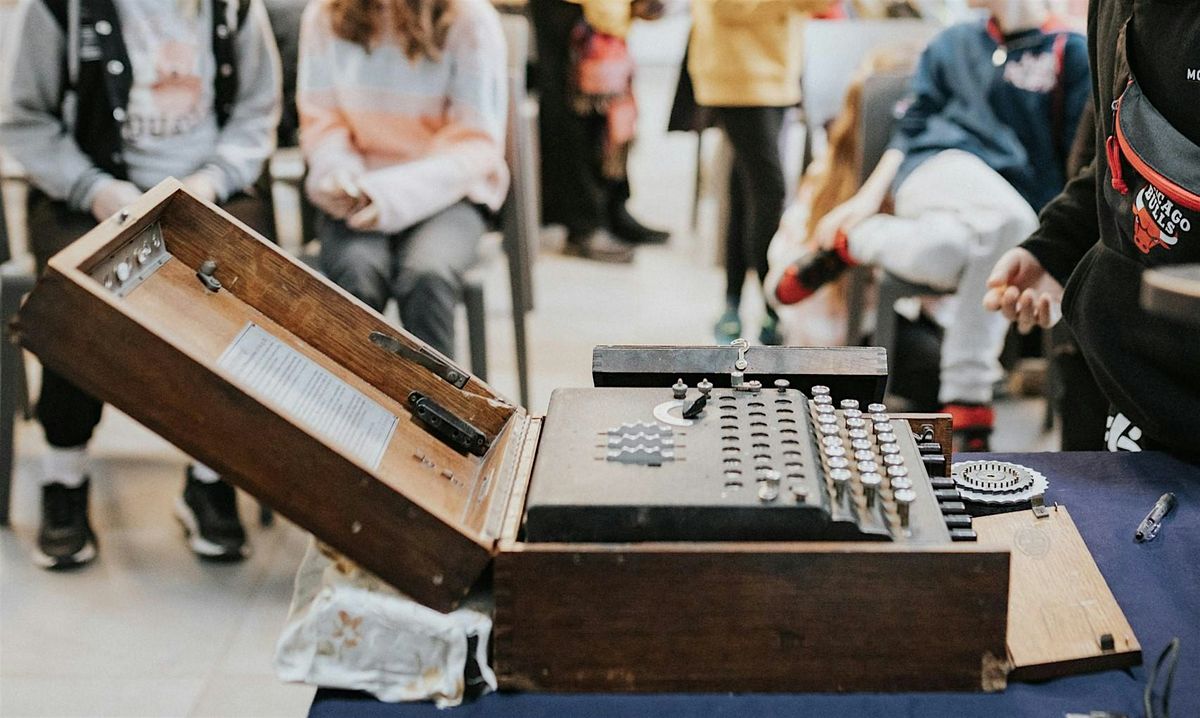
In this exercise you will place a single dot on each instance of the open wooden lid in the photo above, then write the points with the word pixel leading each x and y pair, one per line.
pixel 184 318
pixel 1062 617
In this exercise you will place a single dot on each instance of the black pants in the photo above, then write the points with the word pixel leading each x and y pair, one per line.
pixel 915 369
pixel 1082 407
pixel 757 190
pixel 68 414
pixel 575 191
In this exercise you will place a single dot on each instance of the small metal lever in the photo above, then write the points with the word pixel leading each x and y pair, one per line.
pixel 434 362
pixel 742 346
pixel 206 275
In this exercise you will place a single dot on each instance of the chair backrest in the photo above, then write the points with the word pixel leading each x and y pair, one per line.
pixel 881 97
pixel 835 49
pixel 5 252
pixel 285 24
pixel 515 26
pixel 881 94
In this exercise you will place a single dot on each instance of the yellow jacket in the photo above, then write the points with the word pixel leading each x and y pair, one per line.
pixel 748 53
pixel 611 17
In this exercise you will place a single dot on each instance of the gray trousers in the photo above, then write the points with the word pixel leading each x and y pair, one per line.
pixel 954 217
pixel 421 268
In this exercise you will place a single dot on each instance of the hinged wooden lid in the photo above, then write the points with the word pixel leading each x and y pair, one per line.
pixel 291 388
pixel 1062 617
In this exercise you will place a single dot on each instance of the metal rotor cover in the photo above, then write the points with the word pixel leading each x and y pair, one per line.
pixel 997 482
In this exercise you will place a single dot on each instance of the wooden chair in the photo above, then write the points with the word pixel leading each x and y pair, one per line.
pixel 16 280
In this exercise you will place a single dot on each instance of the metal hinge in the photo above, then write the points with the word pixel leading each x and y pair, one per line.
pixel 459 434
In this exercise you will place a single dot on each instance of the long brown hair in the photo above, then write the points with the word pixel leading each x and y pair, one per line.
pixel 420 26
pixel 834 179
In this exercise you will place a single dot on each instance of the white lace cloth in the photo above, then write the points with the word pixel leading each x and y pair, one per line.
pixel 348 629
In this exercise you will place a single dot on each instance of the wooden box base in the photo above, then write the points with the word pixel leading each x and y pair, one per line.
pixel 744 616
pixel 739 617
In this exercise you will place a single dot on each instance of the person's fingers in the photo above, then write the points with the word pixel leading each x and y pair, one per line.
pixel 365 218
pixel 1026 306
pixel 1041 311
pixel 1005 270
pixel 1047 314
pixel 1008 302
pixel 993 298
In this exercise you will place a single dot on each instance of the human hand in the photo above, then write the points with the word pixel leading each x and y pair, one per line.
pixel 648 9
pixel 339 195
pixel 112 197
pixel 1022 289
pixel 364 219
pixel 845 217
pixel 201 184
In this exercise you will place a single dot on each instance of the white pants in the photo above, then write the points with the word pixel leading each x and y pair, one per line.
pixel 954 217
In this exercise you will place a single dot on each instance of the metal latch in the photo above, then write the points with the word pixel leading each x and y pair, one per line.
pixel 133 263
pixel 1038 505
pixel 460 435
pixel 737 377
pixel 431 360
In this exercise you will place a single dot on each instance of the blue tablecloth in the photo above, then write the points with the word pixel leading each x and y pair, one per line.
pixel 1156 583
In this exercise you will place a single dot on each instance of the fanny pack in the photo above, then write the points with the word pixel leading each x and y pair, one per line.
pixel 1154 185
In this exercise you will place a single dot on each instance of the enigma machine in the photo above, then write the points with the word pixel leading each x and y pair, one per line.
pixel 703 519
pixel 738 463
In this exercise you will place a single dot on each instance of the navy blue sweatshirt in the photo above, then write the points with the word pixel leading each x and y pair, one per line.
pixel 1018 117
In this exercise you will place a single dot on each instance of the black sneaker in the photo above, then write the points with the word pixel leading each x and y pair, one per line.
pixel 600 246
pixel 65 539
pixel 808 274
pixel 208 512
pixel 628 228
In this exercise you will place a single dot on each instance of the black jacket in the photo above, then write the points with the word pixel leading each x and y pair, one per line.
pixel 103 87
pixel 1149 367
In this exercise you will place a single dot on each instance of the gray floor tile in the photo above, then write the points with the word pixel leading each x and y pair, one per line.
pixel 51 696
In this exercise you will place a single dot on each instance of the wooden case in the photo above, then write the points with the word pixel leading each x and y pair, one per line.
pixel 151 345
pixel 154 340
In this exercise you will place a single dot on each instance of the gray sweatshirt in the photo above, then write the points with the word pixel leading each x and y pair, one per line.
pixel 170 128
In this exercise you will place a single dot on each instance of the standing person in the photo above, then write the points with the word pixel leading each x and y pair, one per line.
pixel 982 145
pixel 1141 199
pixel 402 117
pixel 745 60
pixel 105 99
pixel 586 123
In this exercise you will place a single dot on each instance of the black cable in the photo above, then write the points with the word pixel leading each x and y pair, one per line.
pixel 1170 659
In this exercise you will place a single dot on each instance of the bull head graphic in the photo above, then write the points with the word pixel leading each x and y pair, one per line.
pixel 1146 232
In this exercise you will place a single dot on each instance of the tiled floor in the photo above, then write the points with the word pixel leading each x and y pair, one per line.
pixel 148 630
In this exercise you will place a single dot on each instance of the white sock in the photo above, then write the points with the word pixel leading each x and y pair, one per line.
pixel 204 474
pixel 65 466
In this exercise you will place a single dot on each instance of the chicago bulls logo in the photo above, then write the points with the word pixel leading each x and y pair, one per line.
pixel 1157 222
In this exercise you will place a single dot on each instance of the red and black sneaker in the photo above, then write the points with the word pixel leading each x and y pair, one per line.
pixel 813 271
pixel 973 425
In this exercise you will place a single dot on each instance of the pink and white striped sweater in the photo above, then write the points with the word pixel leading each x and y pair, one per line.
pixel 420 136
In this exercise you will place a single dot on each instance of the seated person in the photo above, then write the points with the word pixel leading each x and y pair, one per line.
pixel 154 89
pixel 402 117
pixel 831 179
pixel 980 148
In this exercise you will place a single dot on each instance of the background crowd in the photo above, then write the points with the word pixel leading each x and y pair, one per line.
pixel 400 110
pixel 974 182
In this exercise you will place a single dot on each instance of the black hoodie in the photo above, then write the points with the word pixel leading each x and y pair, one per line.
pixel 1149 367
